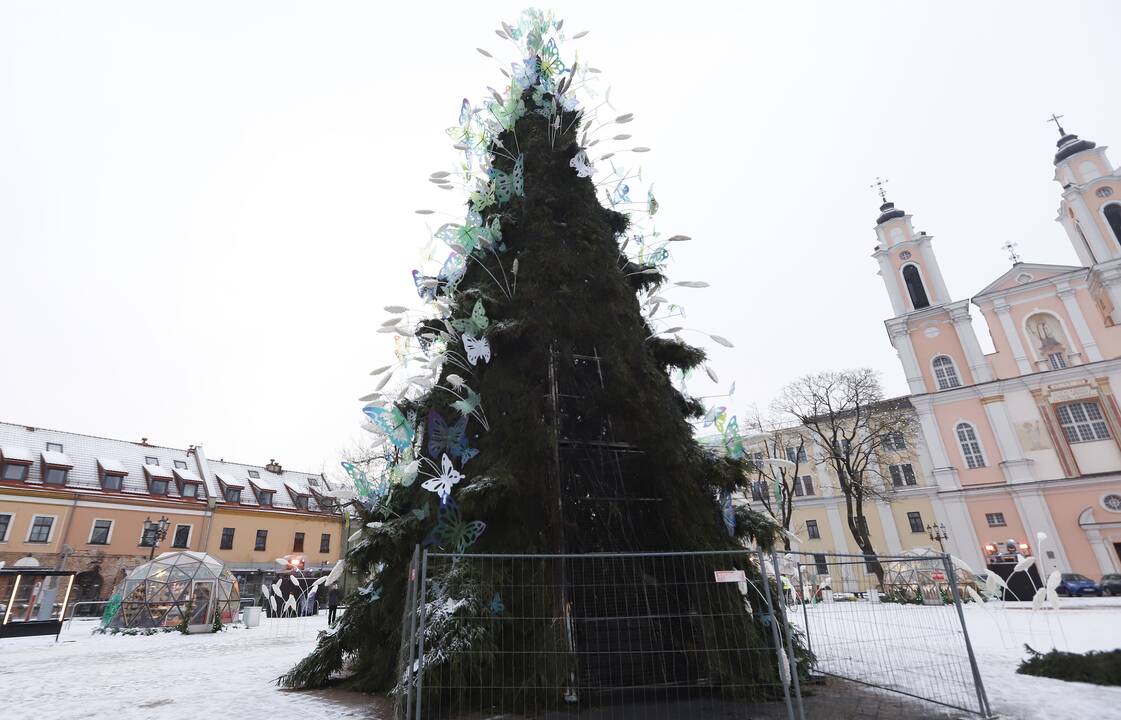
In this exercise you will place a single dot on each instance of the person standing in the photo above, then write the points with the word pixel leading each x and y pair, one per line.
pixel 332 604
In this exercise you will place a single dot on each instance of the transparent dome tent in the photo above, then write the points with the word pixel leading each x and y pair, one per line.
pixel 921 573
pixel 161 592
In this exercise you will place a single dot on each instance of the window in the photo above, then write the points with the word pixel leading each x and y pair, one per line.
pixel 914 519
pixel 227 539
pixel 812 531
pixel 822 565
pixel 1082 421
pixel 970 447
pixel 808 484
pixel 190 490
pixel 254 474
pixel 301 502
pixel 182 537
pixel 262 540
pixel 797 482
pixel 756 459
pixel 902 475
pixel 995 519
pixel 149 460
pixel 325 543
pixel 54 447
pixel 55 475
pixel 841 447
pixel 15 471
pixel 313 482
pixel 233 495
pixel 945 373
pixel 1057 360
pixel 298 543
pixel 99 533
pixel 264 498
pixel 180 464
pixel 757 490
pixel 895 441
pixel 797 454
pixel 111 482
pixel 1112 214
pixel 40 531
pixel 158 486
pixel 5 523
pixel 914 287
pixel 1104 192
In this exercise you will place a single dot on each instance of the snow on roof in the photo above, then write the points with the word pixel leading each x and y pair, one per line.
pixel 229 480
pixel 16 454
pixel 52 457
pixel 187 476
pixel 155 471
pixel 113 466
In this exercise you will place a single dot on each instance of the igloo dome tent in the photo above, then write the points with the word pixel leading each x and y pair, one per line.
pixel 161 592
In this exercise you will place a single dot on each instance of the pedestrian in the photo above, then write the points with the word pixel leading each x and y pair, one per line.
pixel 332 604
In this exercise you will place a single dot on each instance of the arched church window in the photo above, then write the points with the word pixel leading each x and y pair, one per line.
pixel 915 287
pixel 1112 214
pixel 1051 343
pixel 970 446
pixel 945 373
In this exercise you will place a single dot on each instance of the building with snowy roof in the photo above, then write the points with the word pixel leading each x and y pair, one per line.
pixel 80 502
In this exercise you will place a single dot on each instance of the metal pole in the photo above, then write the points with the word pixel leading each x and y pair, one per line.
pixel 422 591
pixel 982 698
pixel 410 607
pixel 790 656
pixel 775 634
pixel 805 614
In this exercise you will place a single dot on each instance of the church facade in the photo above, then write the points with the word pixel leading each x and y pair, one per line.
pixel 1023 444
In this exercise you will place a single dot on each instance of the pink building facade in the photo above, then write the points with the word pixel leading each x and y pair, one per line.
pixel 1024 443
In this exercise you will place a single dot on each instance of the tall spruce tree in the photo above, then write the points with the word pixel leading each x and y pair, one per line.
pixel 537 395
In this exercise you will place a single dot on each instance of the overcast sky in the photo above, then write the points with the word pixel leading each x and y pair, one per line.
pixel 204 206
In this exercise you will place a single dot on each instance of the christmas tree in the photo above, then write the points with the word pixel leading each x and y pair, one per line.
pixel 538 404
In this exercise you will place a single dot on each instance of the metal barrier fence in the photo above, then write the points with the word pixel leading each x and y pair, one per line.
pixel 904 632
pixel 656 635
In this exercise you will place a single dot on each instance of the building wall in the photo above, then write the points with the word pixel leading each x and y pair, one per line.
pixel 282 529
pixel 949 414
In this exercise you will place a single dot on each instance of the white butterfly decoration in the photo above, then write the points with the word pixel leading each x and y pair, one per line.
pixel 582 165
pixel 442 484
pixel 477 349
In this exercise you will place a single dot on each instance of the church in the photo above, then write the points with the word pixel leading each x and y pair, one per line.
pixel 1023 444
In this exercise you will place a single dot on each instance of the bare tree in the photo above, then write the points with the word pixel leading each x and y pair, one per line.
pixel 774 483
pixel 847 413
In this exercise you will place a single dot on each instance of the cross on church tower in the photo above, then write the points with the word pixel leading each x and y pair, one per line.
pixel 1010 247
pixel 1055 119
pixel 879 187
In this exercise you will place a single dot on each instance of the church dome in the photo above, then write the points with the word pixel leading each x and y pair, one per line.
pixel 1070 144
pixel 888 211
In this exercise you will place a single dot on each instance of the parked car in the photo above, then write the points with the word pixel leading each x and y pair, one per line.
pixel 1111 584
pixel 1074 585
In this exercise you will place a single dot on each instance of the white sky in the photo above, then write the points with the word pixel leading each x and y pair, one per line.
pixel 204 206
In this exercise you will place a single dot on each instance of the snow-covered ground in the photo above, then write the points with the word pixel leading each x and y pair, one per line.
pixel 919 649
pixel 231 675
pixel 166 676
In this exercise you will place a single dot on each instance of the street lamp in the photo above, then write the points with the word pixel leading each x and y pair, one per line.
pixel 154 533
pixel 937 533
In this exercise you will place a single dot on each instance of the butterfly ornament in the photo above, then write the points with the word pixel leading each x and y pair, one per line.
pixel 509 185
pixel 442 483
pixel 392 423
pixel 477 349
pixel 475 324
pixel 450 439
pixel 582 165
pixel 452 532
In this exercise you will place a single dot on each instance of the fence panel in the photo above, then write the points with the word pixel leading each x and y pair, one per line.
pixel 891 622
pixel 653 635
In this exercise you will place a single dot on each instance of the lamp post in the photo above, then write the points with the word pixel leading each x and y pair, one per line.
pixel 154 533
pixel 937 533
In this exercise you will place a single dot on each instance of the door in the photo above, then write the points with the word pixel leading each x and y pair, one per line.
pixel 202 606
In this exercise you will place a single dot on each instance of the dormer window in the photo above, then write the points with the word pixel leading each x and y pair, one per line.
pixel 300 498
pixel 255 474
pixel 54 447
pixel 187 482
pixel 301 502
pixel 150 460
pixel 159 479
pixel 180 464
pixel 14 463
pixel 56 466
pixel 112 473
pixel 264 495
pixel 231 487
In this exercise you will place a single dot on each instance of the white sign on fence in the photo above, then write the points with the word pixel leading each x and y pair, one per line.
pixel 723 576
